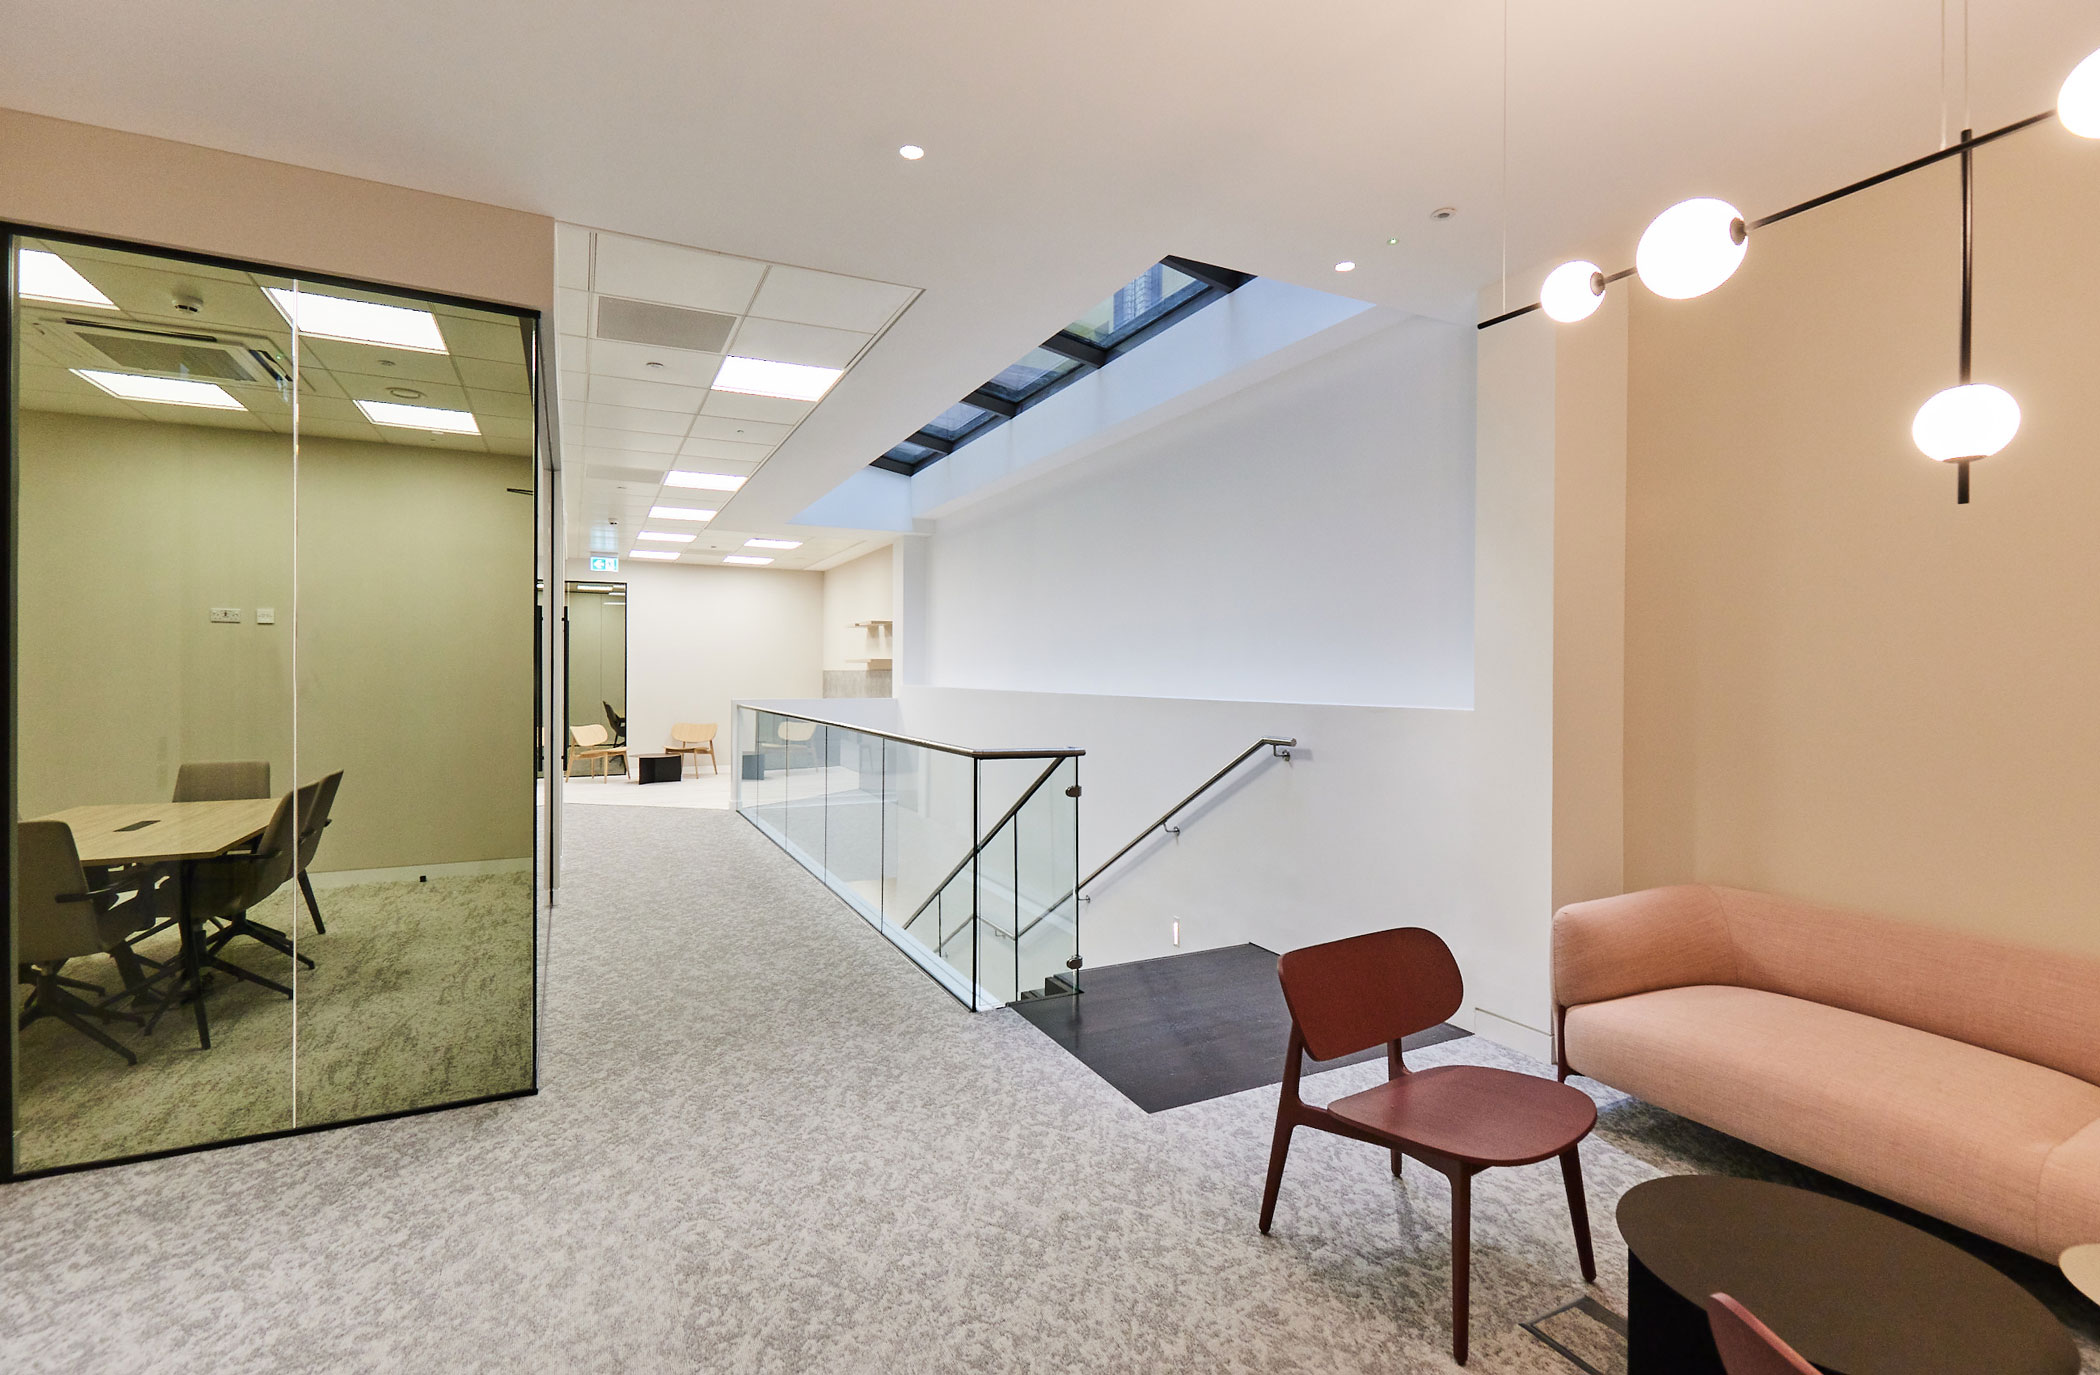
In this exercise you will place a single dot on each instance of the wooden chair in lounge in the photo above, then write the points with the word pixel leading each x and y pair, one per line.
pixel 695 739
pixel 1747 1346
pixel 593 745
pixel 1349 995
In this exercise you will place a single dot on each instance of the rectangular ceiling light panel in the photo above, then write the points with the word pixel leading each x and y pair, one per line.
pixel 706 482
pixel 772 544
pixel 743 558
pixel 652 553
pixel 358 322
pixel 47 277
pixel 419 417
pixel 666 536
pixel 788 381
pixel 680 513
pixel 167 391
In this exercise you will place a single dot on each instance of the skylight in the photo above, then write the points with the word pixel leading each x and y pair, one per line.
pixel 419 417
pixel 45 276
pixel 1154 300
pixel 358 322
pixel 166 391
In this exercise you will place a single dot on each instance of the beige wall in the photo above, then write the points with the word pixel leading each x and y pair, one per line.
pixel 860 590
pixel 1839 684
pixel 414 624
pixel 55 174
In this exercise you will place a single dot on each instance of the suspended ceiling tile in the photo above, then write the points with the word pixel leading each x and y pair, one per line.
pixel 724 450
pixel 397 365
pixel 319 382
pixel 738 431
pixel 826 298
pixel 681 367
pixel 785 342
pixel 641 270
pixel 484 375
pixel 504 404
pixel 771 409
pixel 651 396
pixel 73 403
pixel 434 395
pixel 630 441
pixel 605 416
pixel 572 256
pixel 572 311
pixel 502 340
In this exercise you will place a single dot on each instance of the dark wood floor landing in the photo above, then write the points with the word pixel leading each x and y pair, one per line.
pixel 1186 1028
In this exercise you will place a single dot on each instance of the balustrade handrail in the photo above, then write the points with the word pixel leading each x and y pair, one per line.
pixel 1042 752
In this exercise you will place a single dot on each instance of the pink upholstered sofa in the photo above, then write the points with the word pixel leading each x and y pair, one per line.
pixel 1958 1075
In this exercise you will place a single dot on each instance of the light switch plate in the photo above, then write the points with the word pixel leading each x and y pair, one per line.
pixel 225 615
pixel 266 615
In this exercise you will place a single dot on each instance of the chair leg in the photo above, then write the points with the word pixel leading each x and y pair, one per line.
pixel 1277 1152
pixel 90 1030
pixel 306 889
pixel 1578 1211
pixel 1461 1262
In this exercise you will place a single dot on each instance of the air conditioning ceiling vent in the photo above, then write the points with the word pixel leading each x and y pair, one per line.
pixel 645 322
pixel 168 354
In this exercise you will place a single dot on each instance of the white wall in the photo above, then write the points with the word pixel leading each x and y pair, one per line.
pixel 699 637
pixel 860 590
pixel 1307 539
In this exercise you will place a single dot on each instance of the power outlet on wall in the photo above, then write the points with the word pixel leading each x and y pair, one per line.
pixel 266 615
pixel 225 615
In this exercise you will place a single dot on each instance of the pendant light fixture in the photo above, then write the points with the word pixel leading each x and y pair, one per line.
pixel 1691 248
pixel 1969 420
pixel 1572 292
pixel 2078 103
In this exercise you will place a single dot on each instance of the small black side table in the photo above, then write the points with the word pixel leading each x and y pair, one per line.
pixel 1855 1292
pixel 659 768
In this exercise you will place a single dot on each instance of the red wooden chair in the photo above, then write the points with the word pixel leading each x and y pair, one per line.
pixel 1747 1346
pixel 1349 995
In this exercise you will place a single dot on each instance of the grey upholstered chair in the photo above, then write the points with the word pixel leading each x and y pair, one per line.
pixel 315 800
pixel 59 918
pixel 223 782
pixel 225 888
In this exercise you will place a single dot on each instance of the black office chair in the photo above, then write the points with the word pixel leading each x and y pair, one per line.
pixel 60 918
pixel 225 888
pixel 619 723
pixel 313 819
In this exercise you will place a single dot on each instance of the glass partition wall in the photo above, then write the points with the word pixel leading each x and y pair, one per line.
pixel 272 729
pixel 968 860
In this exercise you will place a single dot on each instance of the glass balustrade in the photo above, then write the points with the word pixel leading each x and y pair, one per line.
pixel 966 859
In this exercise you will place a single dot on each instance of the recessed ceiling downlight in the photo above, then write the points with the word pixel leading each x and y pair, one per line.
pixel 911 152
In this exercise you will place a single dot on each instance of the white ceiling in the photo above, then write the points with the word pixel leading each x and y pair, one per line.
pixel 631 413
pixel 1068 145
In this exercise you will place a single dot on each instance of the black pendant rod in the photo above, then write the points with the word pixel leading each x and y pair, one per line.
pixel 1968 288
pixel 1970 142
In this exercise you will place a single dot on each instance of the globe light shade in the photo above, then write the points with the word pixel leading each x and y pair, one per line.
pixel 1967 422
pixel 2078 103
pixel 1691 248
pixel 1572 292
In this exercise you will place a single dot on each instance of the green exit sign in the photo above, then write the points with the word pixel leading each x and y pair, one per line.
pixel 602 564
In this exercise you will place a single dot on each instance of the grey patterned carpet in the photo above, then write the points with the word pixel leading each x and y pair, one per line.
pixel 766 1142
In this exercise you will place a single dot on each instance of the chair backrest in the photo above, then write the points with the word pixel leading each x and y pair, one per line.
pixel 588 736
pixel 315 800
pixel 223 782
pixel 797 731
pixel 276 849
pixel 1350 995
pixel 1747 1346
pixel 619 722
pixel 48 868
pixel 692 733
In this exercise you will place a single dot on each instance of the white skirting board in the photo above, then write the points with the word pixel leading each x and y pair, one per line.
pixel 410 873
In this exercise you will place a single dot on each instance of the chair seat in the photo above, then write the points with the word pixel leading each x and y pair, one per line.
pixel 1473 1113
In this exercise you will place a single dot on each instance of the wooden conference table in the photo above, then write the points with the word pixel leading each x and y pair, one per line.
pixel 122 833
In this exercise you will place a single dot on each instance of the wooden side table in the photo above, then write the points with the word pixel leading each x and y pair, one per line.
pixel 659 768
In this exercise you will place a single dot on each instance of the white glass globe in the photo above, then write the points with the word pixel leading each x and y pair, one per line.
pixel 2078 103
pixel 1973 421
pixel 1572 292
pixel 1690 249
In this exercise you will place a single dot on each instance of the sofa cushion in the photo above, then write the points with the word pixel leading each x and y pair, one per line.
pixel 2071 1194
pixel 2039 1005
pixel 1946 1127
